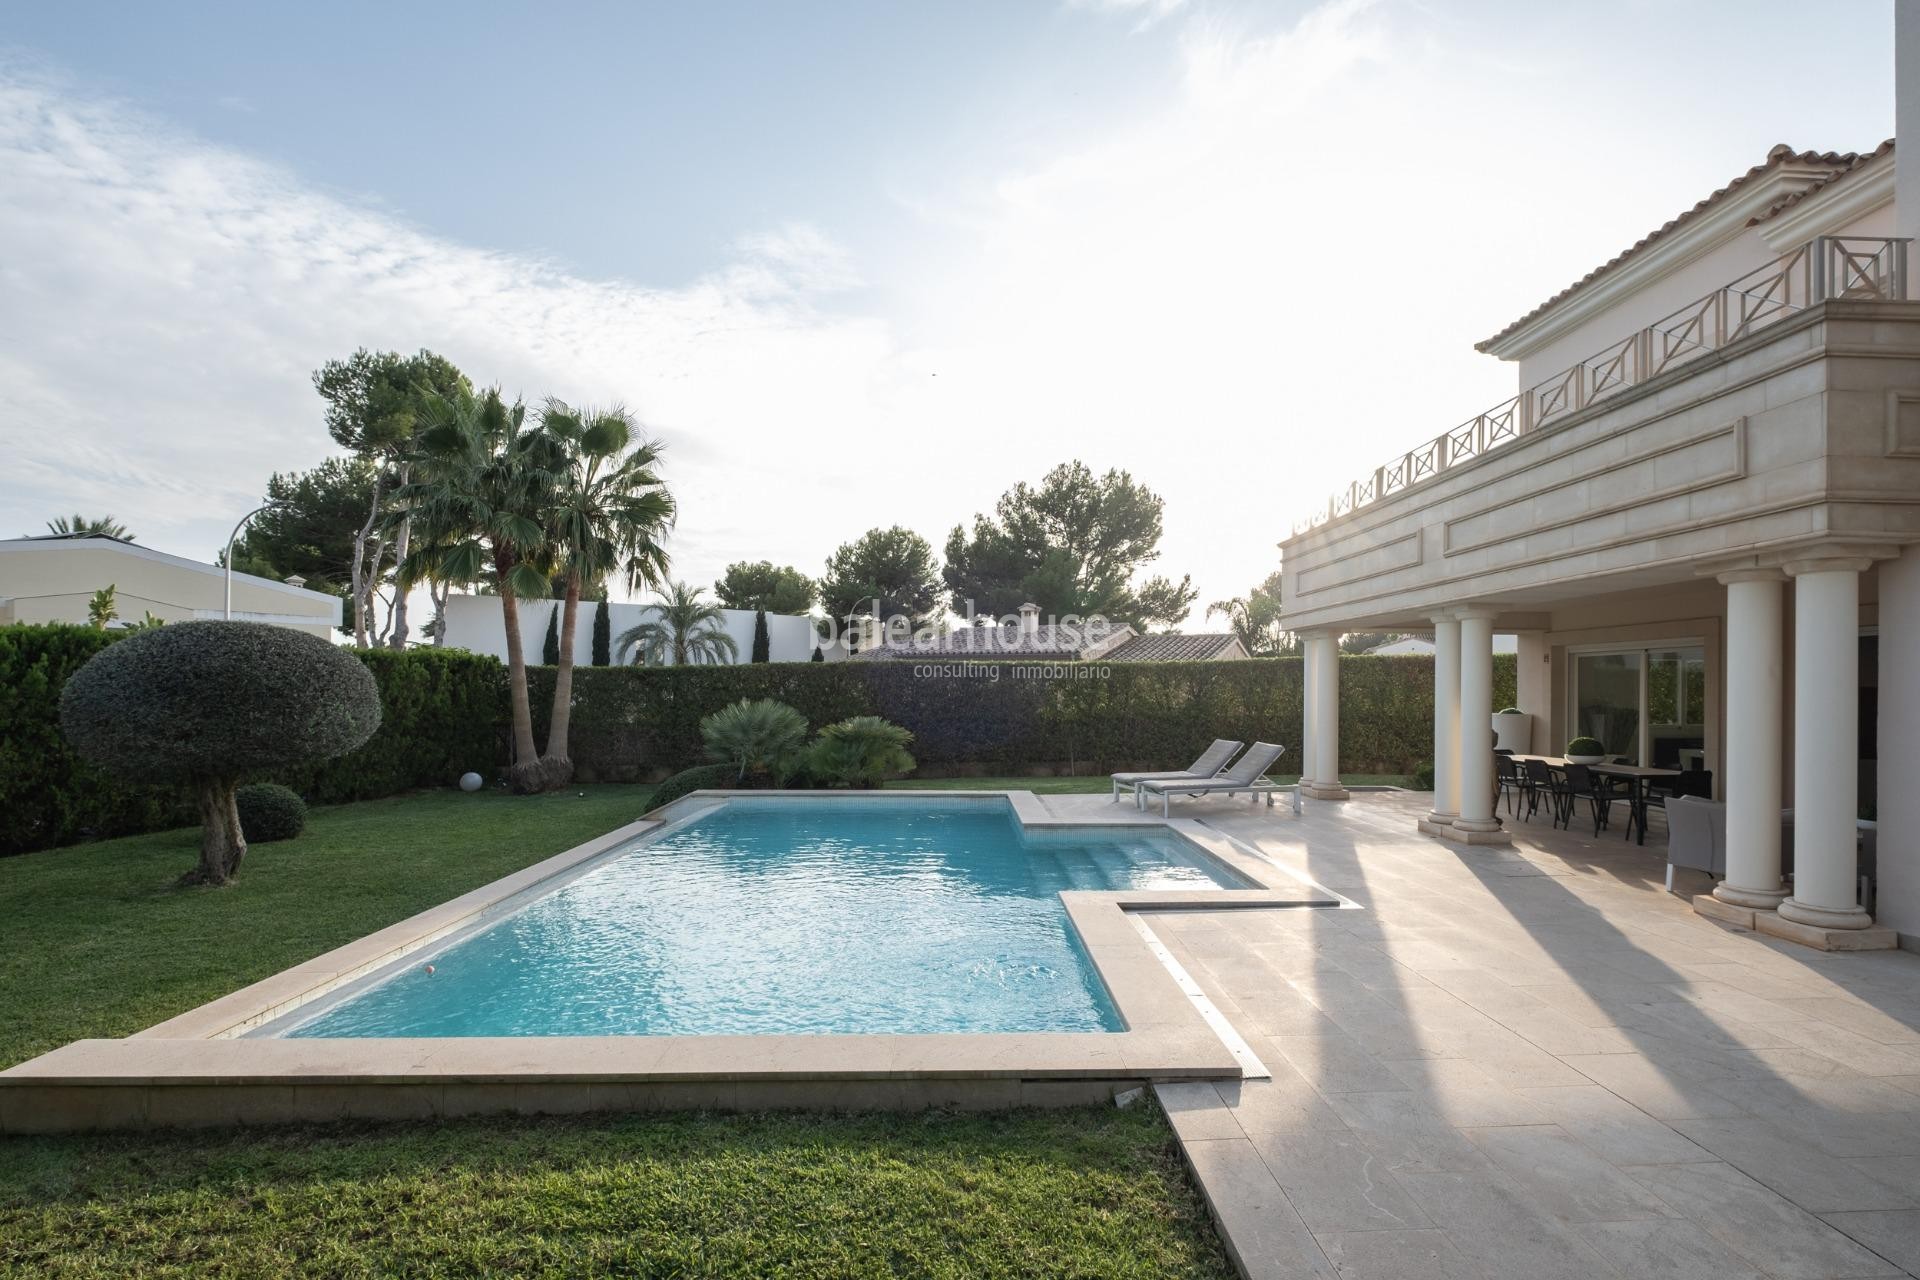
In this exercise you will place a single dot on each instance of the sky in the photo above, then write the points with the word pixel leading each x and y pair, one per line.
pixel 857 264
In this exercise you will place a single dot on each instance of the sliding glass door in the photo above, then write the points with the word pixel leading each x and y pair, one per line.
pixel 1607 700
pixel 1646 706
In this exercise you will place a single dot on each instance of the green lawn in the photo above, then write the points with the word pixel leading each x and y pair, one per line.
pixel 1101 784
pixel 1090 1193
pixel 101 943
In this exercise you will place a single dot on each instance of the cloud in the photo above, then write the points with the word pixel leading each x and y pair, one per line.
pixel 1147 12
pixel 166 301
pixel 1246 288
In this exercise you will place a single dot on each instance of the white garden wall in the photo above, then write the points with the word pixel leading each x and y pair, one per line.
pixel 473 622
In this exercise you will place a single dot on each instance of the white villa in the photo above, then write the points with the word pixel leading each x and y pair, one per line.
pixel 52 577
pixel 1700 515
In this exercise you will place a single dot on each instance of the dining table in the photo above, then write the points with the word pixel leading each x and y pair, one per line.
pixel 1639 778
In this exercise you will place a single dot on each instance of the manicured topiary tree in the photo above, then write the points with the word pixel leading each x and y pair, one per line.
pixel 550 647
pixel 206 703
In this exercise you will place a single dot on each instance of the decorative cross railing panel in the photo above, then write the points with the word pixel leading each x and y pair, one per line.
pixel 1829 267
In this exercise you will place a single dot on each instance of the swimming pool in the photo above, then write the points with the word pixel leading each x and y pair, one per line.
pixel 812 915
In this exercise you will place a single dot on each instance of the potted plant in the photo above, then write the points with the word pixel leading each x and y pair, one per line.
pixel 1513 730
pixel 1586 751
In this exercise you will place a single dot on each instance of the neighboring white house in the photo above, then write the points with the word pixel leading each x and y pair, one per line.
pixel 1420 646
pixel 52 578
pixel 1701 516
pixel 473 622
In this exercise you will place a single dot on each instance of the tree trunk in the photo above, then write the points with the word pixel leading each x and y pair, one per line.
pixel 438 593
pixel 402 541
pixel 359 575
pixel 557 766
pixel 523 775
pixel 222 845
pixel 376 632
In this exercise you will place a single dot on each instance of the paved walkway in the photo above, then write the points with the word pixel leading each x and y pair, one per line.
pixel 1533 1062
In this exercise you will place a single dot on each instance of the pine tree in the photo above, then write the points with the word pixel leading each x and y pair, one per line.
pixel 762 642
pixel 817 655
pixel 602 635
pixel 550 651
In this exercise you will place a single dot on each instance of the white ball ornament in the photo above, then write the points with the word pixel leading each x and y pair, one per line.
pixel 470 782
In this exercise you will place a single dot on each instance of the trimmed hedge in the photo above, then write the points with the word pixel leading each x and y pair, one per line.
pixel 633 723
pixel 48 794
pixel 443 712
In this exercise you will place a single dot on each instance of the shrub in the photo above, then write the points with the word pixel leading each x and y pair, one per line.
pixel 1509 711
pixel 762 641
pixel 1586 747
pixel 702 777
pixel 759 738
pixel 269 812
pixel 602 635
pixel 1423 777
pixel 861 751
pixel 206 703
pixel 49 794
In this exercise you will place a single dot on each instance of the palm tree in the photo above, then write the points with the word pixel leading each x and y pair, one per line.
pixel 684 630
pixel 610 512
pixel 478 497
pixel 99 526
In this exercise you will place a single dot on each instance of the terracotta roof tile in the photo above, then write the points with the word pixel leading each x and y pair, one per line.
pixel 1837 163
pixel 1854 163
pixel 1172 648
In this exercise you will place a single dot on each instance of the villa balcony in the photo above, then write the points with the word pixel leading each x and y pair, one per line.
pixel 1782 408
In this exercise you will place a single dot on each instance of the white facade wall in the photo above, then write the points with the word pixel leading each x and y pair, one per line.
pixel 53 580
pixel 1690 269
pixel 474 622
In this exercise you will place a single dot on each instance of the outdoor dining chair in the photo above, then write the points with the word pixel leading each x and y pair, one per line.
pixel 1543 780
pixel 1509 782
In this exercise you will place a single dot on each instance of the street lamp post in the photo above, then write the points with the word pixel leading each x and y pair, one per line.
pixel 265 506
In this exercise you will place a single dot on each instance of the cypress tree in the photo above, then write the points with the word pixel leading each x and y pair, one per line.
pixel 762 642
pixel 550 651
pixel 817 655
pixel 602 635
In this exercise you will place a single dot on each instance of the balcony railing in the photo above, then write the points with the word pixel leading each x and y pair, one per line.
pixel 1829 267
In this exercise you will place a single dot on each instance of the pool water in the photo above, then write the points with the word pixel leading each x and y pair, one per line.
pixel 772 915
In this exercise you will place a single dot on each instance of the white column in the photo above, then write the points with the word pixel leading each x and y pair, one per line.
pixel 1826 746
pixel 1446 720
pixel 1309 712
pixel 1897 802
pixel 1326 718
pixel 1755 748
pixel 1476 724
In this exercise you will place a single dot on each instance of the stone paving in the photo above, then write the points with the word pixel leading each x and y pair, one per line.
pixel 1534 1062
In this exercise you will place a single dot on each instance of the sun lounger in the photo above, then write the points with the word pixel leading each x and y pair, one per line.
pixel 1247 774
pixel 1210 763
